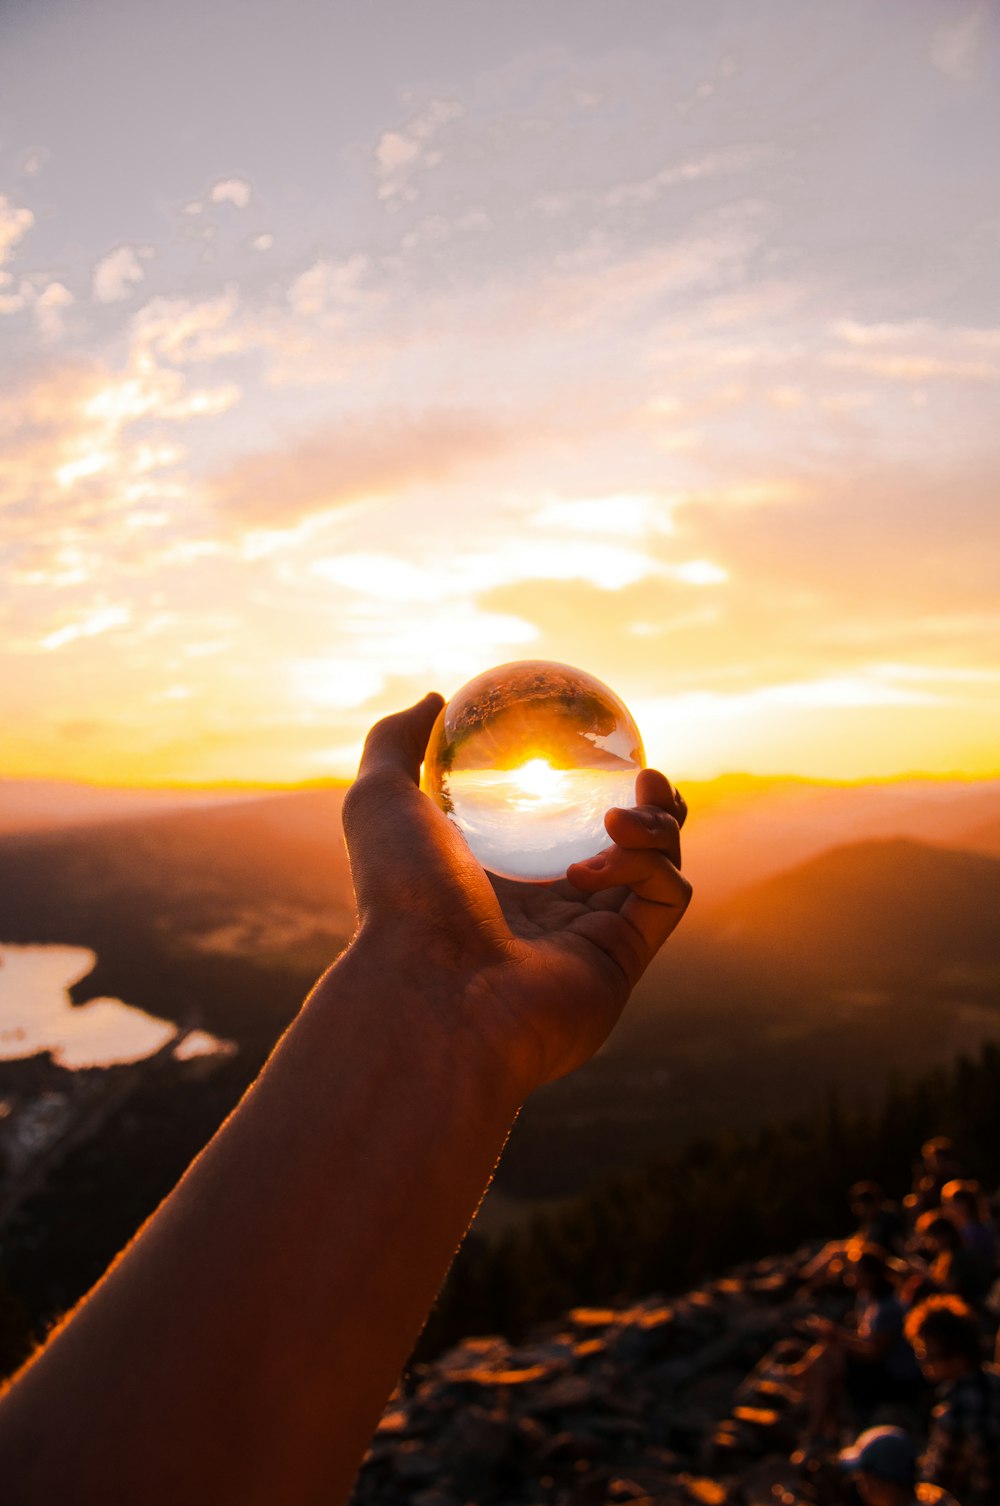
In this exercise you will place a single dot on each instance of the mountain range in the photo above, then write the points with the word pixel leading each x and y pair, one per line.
pixel 840 934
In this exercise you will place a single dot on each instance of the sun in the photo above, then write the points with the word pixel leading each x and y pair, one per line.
pixel 538 779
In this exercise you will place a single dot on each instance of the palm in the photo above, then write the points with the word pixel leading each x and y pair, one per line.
pixel 575 924
pixel 534 910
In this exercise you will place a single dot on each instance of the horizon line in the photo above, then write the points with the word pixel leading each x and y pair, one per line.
pixel 318 782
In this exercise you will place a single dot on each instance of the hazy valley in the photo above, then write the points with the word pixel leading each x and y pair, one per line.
pixel 840 936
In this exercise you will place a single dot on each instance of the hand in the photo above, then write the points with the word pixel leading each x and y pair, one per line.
pixel 539 972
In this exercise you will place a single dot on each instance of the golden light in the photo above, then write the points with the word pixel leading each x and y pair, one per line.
pixel 539 780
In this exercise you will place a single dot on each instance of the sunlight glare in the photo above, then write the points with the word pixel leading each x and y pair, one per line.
pixel 539 780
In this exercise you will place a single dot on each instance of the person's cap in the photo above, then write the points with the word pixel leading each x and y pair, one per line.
pixel 888 1453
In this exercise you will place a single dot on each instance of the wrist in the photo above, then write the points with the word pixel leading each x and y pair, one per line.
pixel 434 1011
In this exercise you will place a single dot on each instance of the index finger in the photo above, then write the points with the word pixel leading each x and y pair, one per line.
pixel 654 788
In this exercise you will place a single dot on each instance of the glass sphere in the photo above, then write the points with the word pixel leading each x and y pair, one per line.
pixel 526 759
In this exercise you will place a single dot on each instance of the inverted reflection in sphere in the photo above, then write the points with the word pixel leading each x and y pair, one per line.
pixel 526 759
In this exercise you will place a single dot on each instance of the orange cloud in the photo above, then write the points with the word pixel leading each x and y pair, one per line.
pixel 366 456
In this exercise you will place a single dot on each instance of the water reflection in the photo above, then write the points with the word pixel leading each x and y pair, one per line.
pixel 37 1014
pixel 533 821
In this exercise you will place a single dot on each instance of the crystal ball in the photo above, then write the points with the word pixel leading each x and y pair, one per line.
pixel 526 759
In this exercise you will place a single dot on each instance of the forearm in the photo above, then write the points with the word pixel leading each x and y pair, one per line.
pixel 265 1311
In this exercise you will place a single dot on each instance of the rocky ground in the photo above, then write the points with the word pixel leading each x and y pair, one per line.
pixel 691 1400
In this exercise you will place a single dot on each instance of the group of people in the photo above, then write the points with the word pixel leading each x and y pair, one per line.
pixel 906 1356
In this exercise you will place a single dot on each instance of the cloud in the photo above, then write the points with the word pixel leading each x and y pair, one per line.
pixel 444 642
pixel 34 160
pixel 853 332
pixel 46 299
pixel 915 368
pixel 598 284
pixel 14 224
pixel 394 150
pixel 101 621
pixel 117 275
pixel 365 456
pixel 326 286
pixel 235 191
pixel 955 47
pixel 469 571
pixel 77 485
pixel 406 148
pixel 916 350
pixel 619 515
pixel 644 191
pixel 186 331
pixel 49 305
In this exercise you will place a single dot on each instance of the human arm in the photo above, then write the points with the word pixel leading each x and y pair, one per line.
pixel 243 1347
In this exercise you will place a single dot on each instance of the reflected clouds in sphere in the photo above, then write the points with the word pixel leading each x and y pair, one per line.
pixel 526 759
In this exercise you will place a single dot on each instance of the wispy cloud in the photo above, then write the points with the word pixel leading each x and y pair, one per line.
pixel 406 149
pixel 363 456
pixel 568 356
pixel 101 621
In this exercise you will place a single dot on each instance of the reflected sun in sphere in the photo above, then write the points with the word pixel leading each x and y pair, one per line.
pixel 538 780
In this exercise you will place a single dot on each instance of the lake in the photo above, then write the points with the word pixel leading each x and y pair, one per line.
pixel 37 1014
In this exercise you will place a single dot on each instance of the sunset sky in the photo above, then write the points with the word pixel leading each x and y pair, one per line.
pixel 348 349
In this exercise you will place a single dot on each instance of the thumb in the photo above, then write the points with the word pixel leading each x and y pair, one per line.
pixel 406 858
pixel 397 743
pixel 384 811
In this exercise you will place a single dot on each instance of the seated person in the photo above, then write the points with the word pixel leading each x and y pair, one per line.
pixel 964 1202
pixel 870 1363
pixel 947 1261
pixel 879 1222
pixel 938 1165
pixel 963 1445
pixel 879 1219
pixel 883 1465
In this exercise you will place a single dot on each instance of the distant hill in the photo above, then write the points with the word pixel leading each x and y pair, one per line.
pixel 193 868
pixel 220 916
pixel 872 959
pixel 42 804
pixel 742 829
pixel 983 837
pixel 874 911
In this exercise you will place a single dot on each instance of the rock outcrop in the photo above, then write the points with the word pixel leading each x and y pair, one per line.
pixel 687 1400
